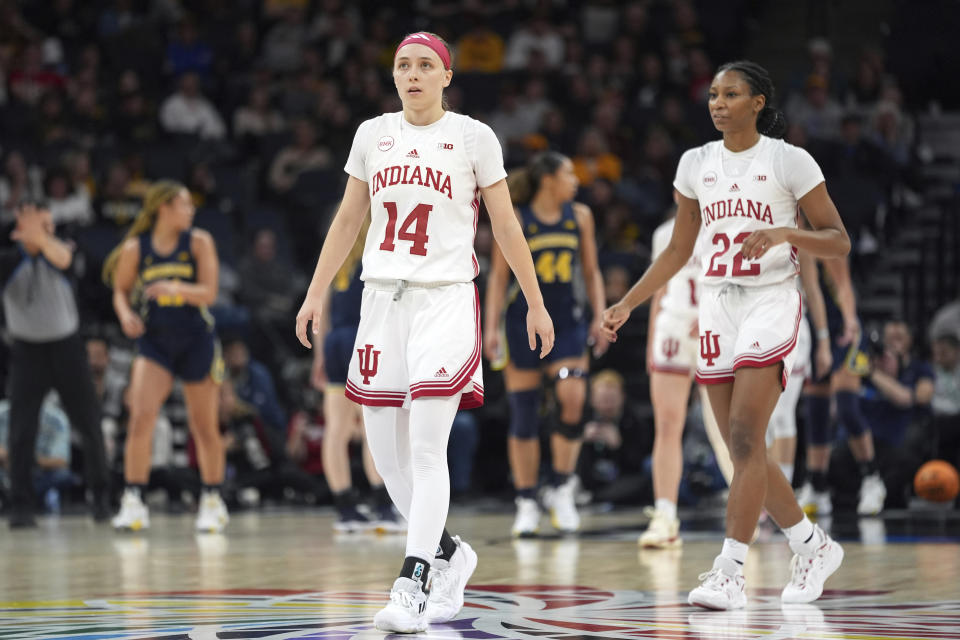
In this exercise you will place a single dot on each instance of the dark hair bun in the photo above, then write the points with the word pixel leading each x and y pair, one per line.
pixel 771 122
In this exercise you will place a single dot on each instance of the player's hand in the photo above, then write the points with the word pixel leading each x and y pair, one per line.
pixel 309 314
pixel 161 289
pixel 759 242
pixel 540 324
pixel 613 319
pixel 851 332
pixel 32 227
pixel 823 360
pixel 132 325
pixel 318 373
pixel 597 339
pixel 491 344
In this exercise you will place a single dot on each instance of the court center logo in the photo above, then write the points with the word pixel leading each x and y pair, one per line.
pixel 519 612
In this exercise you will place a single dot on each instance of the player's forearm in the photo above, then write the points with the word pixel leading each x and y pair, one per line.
pixel 595 293
pixel 517 254
pixel 197 294
pixel 57 252
pixel 121 302
pixel 494 301
pixel 343 233
pixel 657 275
pixel 823 243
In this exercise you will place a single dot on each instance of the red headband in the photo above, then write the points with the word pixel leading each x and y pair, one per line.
pixel 430 41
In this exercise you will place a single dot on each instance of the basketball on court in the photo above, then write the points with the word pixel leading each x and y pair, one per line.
pixel 937 481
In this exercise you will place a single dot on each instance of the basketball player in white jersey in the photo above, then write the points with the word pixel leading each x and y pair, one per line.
pixel 671 361
pixel 417 354
pixel 744 192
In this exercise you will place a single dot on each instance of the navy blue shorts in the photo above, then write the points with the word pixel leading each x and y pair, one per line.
pixel 337 351
pixel 191 357
pixel 569 342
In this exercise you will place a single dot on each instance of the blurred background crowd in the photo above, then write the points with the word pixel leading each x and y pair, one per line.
pixel 253 105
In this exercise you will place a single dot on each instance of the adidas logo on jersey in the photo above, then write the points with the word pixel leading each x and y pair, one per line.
pixel 734 188
pixel 755 346
pixel 442 373
pixel 413 154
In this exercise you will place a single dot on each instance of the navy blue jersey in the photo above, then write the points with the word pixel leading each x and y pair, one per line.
pixel 555 249
pixel 170 313
pixel 345 296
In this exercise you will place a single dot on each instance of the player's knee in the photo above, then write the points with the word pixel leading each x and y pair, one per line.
pixel 743 440
pixel 848 412
pixel 524 414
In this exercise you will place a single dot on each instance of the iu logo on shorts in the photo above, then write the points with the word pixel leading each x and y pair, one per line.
pixel 670 348
pixel 368 363
pixel 709 351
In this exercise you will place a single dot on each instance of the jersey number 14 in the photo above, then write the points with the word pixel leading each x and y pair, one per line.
pixel 417 219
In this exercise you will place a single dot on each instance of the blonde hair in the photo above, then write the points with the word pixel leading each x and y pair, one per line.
pixel 158 194
pixel 607 376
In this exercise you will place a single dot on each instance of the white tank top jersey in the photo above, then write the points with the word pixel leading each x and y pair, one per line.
pixel 742 192
pixel 682 290
pixel 424 185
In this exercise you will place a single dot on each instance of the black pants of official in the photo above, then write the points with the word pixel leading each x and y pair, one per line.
pixel 35 369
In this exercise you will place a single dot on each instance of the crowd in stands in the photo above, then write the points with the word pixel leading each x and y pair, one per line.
pixel 253 105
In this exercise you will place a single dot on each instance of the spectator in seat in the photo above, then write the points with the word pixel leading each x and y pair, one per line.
pixel 946 397
pixel 187 111
pixel 253 384
pixel 896 394
pixel 304 154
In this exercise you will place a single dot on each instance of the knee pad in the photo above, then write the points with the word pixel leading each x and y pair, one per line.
pixel 849 415
pixel 524 414
pixel 818 420
pixel 569 431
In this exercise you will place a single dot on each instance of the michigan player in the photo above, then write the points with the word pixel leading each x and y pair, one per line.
pixel 341 315
pixel 843 382
pixel 171 271
pixel 743 192
pixel 560 234
pixel 416 361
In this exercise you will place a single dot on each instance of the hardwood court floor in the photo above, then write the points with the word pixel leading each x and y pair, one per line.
pixel 286 575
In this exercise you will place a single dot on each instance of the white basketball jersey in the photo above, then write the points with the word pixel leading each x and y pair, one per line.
pixel 763 194
pixel 424 185
pixel 681 295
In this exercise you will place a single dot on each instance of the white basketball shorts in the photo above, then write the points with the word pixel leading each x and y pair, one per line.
pixel 674 349
pixel 416 342
pixel 747 327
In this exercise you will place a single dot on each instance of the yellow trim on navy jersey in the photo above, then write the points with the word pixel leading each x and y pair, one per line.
pixel 218 366
pixel 167 270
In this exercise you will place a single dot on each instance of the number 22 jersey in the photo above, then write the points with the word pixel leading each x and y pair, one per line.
pixel 424 185
pixel 742 192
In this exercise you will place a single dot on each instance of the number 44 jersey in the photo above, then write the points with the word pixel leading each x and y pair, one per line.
pixel 424 185
pixel 742 192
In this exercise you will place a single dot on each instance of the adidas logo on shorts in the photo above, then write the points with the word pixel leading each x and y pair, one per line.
pixel 441 373
pixel 755 346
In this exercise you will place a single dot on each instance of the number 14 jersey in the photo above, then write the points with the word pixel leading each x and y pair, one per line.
pixel 424 185
pixel 742 192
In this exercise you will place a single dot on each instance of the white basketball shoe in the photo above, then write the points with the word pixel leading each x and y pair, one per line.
pixel 872 494
pixel 719 590
pixel 563 508
pixel 133 514
pixel 212 516
pixel 527 522
pixel 663 532
pixel 406 611
pixel 808 572
pixel 448 581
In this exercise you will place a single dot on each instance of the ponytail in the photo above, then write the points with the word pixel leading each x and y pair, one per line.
pixel 771 122
pixel 158 194
pixel 520 186
pixel 524 183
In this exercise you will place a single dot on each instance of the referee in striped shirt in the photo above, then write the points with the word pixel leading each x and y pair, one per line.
pixel 46 353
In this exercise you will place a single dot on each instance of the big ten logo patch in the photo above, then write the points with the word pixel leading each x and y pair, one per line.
pixel 444 146
pixel 385 143
pixel 709 347
pixel 369 362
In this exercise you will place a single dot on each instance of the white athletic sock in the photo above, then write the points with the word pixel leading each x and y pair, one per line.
pixel 666 507
pixel 732 556
pixel 787 470
pixel 803 537
pixel 430 422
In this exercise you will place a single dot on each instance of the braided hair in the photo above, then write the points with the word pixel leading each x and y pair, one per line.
pixel 770 121
pixel 524 183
